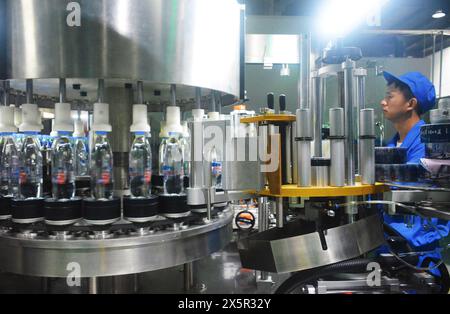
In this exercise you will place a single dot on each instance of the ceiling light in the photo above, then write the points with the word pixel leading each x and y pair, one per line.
pixel 339 17
pixel 438 14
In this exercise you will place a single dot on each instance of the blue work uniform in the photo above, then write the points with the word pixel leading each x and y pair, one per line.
pixel 416 150
pixel 419 233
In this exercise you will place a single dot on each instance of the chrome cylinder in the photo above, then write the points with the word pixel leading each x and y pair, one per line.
pixel 294 154
pixel 367 146
pixel 350 133
pixel 317 104
pixel 304 138
pixel 320 169
pixel 337 139
pixel 120 113
pixel 280 213
pixel 288 156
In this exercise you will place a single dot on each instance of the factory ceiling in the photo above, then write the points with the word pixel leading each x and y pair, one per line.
pixel 396 14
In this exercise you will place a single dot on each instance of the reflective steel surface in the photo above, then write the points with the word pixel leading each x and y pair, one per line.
pixel 187 42
pixel 284 252
pixel 116 256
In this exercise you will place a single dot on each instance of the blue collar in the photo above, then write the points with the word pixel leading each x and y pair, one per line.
pixel 410 138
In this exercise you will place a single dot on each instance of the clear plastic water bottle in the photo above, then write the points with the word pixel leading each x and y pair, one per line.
pixel 63 179
pixel 162 147
pixel 216 169
pixel 140 171
pixel 10 166
pixel 186 145
pixel 102 168
pixel 31 175
pixel 173 166
pixel 81 159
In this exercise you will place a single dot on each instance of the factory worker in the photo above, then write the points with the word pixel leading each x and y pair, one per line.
pixel 408 97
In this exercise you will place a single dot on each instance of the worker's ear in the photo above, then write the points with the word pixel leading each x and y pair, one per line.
pixel 413 104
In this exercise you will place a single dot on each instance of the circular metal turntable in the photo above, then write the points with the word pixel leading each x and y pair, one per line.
pixel 121 254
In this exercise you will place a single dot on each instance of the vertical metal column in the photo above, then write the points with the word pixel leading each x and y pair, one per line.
pixel 101 90
pixel 305 71
pixel 317 107
pixel 263 225
pixel 140 92
pixel 188 277
pixel 304 138
pixel 360 98
pixel 433 59
pixel 29 97
pixel 93 285
pixel 198 98
pixel 121 108
pixel 348 68
pixel 62 90
pixel 6 87
pixel 441 64
pixel 280 212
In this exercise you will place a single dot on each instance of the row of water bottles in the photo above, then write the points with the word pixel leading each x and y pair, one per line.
pixel 175 151
pixel 21 156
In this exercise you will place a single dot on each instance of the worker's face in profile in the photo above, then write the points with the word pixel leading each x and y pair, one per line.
pixel 395 106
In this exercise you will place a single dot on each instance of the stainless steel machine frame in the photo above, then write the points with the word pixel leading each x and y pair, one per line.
pixel 120 255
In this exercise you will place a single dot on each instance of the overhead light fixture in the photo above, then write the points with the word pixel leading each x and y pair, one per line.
pixel 438 14
pixel 339 17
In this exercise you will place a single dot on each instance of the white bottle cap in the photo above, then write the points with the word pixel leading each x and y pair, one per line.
pixel 173 118
pixel 101 118
pixel 213 116
pixel 63 121
pixel 31 119
pixel 140 119
pixel 7 120
pixel 17 116
pixel 198 114
pixel 79 129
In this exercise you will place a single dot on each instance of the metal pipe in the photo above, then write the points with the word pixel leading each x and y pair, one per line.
pixel 280 213
pixel 348 68
pixel 6 87
pixel 317 105
pixel 62 90
pixel 433 59
pixel 304 138
pixel 29 91
pixel 441 64
pixel 101 90
pixel 337 139
pixel 294 154
pixel 188 277
pixel 305 70
pixel 198 98
pixel 213 102
pixel 262 214
pixel 367 146
pixel 93 285
pixel 360 98
pixel 173 95
pixel 208 202
pixel 140 92
pixel 219 102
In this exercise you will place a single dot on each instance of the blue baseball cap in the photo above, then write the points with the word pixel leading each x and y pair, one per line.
pixel 421 87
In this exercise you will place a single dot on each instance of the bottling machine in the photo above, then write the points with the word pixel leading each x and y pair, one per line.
pixel 106 209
